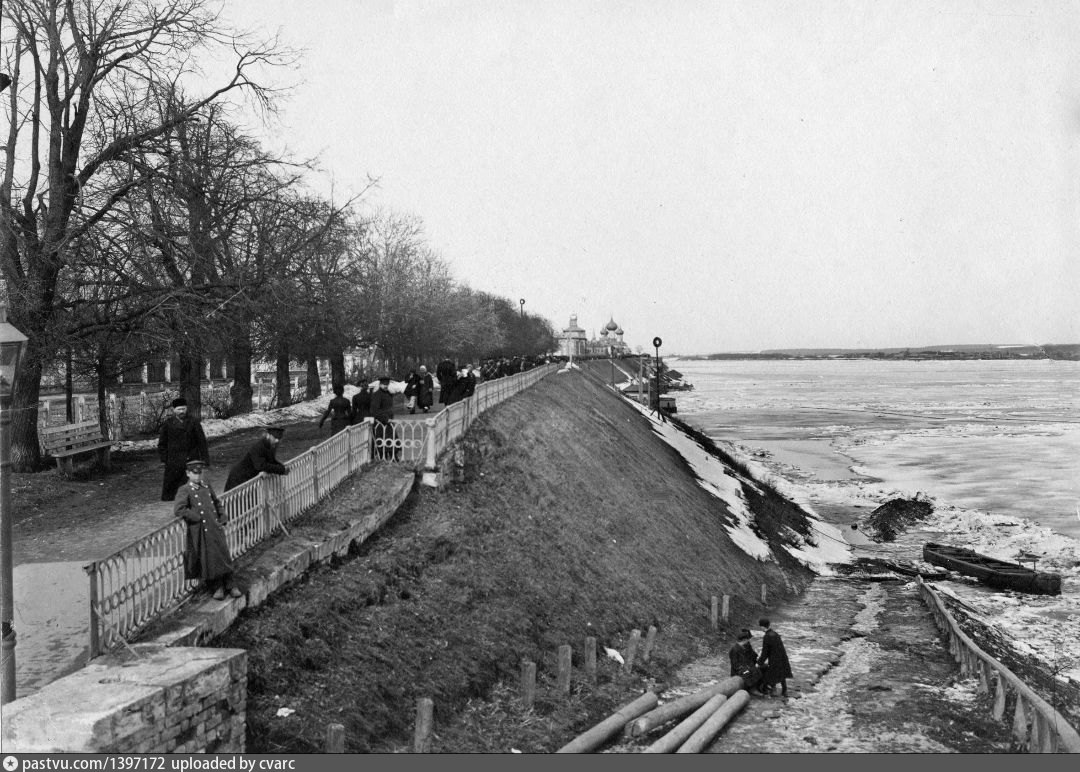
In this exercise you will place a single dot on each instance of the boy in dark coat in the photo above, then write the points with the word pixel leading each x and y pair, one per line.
pixel 261 457
pixel 744 660
pixel 773 661
pixel 361 403
pixel 339 411
pixel 206 555
pixel 181 440
pixel 382 410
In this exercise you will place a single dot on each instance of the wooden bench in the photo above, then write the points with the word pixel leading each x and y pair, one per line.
pixel 65 442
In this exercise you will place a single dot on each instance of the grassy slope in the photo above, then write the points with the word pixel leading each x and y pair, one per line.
pixel 572 520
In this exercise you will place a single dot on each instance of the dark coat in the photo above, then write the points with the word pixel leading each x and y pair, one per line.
pixel 425 390
pixel 261 457
pixel 446 374
pixel 744 663
pixel 361 405
pixel 206 555
pixel 340 413
pixel 774 659
pixel 179 441
pixel 382 406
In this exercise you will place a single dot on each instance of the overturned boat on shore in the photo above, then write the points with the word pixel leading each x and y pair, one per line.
pixel 999 574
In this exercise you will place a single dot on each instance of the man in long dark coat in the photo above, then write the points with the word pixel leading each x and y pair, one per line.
pixel 382 410
pixel 260 457
pixel 447 374
pixel 180 440
pixel 425 389
pixel 776 668
pixel 206 552
pixel 361 402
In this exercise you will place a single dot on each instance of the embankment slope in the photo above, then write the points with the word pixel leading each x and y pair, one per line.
pixel 570 519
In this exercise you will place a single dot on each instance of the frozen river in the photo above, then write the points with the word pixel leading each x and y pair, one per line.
pixel 993 436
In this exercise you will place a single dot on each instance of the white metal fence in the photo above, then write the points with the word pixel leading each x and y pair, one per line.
pixel 138 583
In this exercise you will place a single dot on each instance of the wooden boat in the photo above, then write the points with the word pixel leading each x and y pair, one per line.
pixel 999 574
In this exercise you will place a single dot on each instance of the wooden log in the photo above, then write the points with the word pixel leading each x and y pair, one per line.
pixel 562 678
pixel 674 739
pixel 714 613
pixel 424 719
pixel 680 707
pixel 612 725
pixel 528 682
pixel 590 659
pixel 725 608
pixel 700 739
pixel 999 696
pixel 335 738
pixel 650 640
pixel 631 650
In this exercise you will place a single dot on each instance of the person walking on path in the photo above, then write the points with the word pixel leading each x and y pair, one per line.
pixel 776 668
pixel 410 391
pixel 744 660
pixel 206 554
pixel 425 389
pixel 260 457
pixel 382 410
pixel 339 411
pixel 447 374
pixel 361 402
pixel 180 440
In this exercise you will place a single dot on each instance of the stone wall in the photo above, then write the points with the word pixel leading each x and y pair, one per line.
pixel 151 699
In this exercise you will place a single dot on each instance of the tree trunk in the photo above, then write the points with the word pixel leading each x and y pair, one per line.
pixel 103 399
pixel 69 387
pixel 25 398
pixel 284 382
pixel 240 392
pixel 314 387
pixel 191 367
pixel 337 368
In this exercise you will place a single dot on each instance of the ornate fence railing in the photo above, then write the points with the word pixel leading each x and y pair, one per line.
pixel 138 583
pixel 1036 725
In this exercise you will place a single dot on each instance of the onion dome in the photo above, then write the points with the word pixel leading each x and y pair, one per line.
pixel 611 325
pixel 619 331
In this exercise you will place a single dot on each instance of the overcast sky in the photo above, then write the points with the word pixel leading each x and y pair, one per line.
pixel 726 175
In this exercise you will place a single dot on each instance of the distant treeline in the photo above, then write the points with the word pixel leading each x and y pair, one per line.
pixel 1047 351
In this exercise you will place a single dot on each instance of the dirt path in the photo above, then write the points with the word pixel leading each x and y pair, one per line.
pixel 871 676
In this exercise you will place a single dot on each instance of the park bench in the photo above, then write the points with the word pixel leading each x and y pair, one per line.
pixel 65 442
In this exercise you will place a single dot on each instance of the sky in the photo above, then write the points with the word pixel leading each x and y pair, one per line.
pixel 728 176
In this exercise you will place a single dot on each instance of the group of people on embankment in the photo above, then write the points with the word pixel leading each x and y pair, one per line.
pixel 183 449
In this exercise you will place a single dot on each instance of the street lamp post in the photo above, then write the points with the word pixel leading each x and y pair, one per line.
pixel 12 346
pixel 657 342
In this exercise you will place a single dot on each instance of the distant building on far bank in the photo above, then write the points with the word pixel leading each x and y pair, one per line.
pixel 574 342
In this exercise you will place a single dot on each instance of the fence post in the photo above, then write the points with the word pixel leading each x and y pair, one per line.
pixel 335 738
pixel 590 659
pixel 725 608
pixel 422 735
pixel 650 639
pixel 764 594
pixel 95 640
pixel 713 613
pixel 631 650
pixel 562 680
pixel 315 473
pixel 528 682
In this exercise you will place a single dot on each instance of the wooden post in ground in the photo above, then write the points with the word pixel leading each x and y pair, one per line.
pixel 714 604
pixel 725 608
pixel 590 659
pixel 424 718
pixel 335 738
pixel 528 682
pixel 650 639
pixel 562 679
pixel 764 594
pixel 631 650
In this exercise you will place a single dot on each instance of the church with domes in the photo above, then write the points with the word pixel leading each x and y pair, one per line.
pixel 573 340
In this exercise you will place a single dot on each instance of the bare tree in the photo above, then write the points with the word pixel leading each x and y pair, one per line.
pixel 80 71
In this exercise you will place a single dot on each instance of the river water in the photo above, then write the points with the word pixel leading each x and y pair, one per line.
pixel 993 436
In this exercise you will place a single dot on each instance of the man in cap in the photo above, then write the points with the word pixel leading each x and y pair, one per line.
pixel 180 440
pixel 260 457
pixel 774 662
pixel 382 410
pixel 744 660
pixel 206 552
